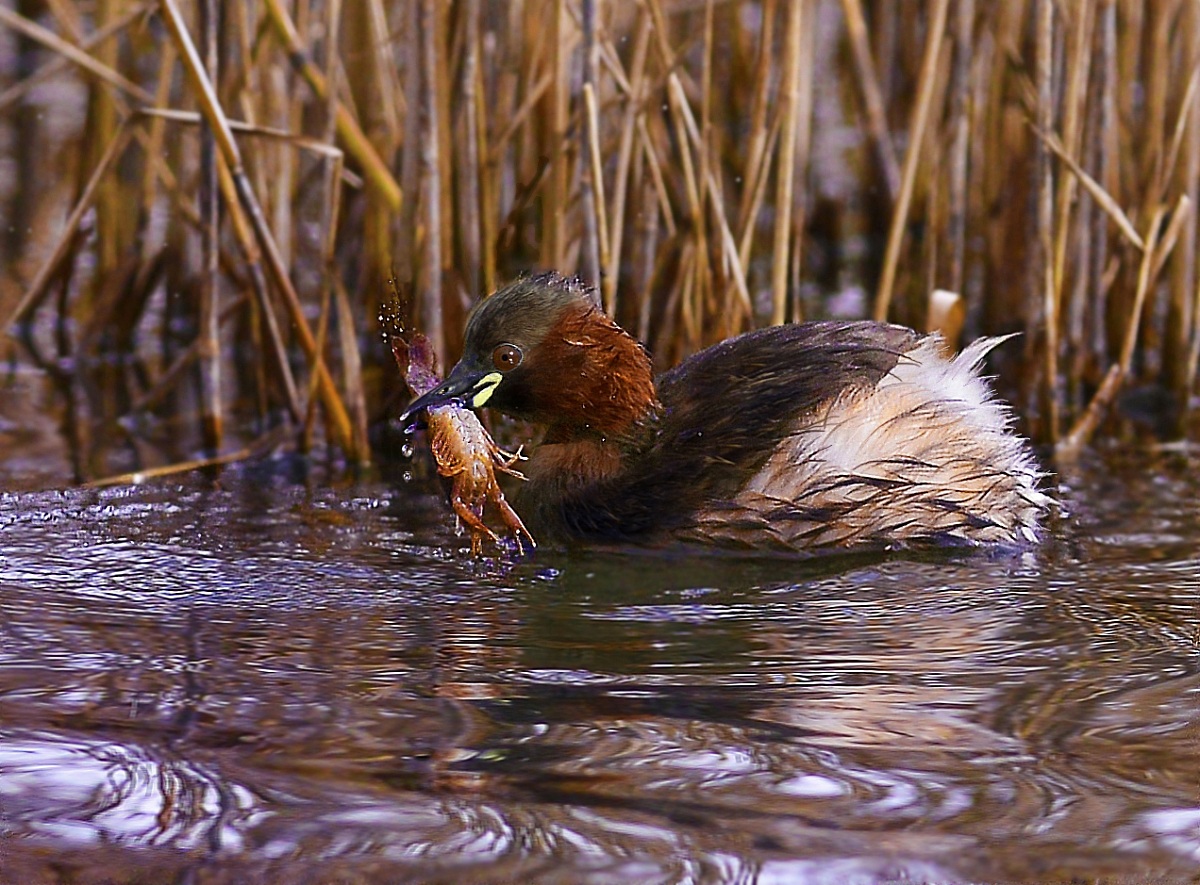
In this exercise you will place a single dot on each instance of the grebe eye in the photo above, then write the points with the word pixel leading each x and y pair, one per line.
pixel 507 356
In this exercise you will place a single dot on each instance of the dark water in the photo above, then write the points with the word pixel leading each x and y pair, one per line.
pixel 267 676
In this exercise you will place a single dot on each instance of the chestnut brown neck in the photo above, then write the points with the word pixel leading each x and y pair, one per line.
pixel 595 379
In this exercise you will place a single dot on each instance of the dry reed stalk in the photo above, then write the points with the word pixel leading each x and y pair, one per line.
pixel 805 111
pixel 1161 17
pixel 1179 132
pixel 697 186
pixel 637 90
pixel 252 255
pixel 520 117
pixel 1158 246
pixel 173 374
pixel 912 156
pixel 388 94
pixel 74 55
pixel 1106 201
pixel 356 395
pixel 1178 322
pixel 430 294
pixel 644 263
pixel 354 140
pixel 1108 147
pixel 360 446
pixel 1178 220
pixel 487 192
pixel 680 115
pixel 361 78
pixel 729 249
pixel 322 149
pixel 210 218
pixel 554 203
pixel 1188 284
pixel 442 91
pixel 591 262
pixel 1193 360
pixel 656 177
pixel 407 243
pixel 471 210
pixel 105 109
pixel 690 304
pixel 152 139
pixel 59 63
pixel 255 450
pixel 1044 12
pixel 786 174
pixel 308 425
pixel 757 190
pixel 1079 55
pixel 717 319
pixel 868 85
pixel 693 295
pixel 330 206
pixel 608 284
pixel 39 286
pixel 756 148
pixel 213 113
pixel 961 142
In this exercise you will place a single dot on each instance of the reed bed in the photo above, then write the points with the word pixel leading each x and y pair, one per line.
pixel 212 200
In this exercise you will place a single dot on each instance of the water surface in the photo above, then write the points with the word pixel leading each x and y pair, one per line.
pixel 268 675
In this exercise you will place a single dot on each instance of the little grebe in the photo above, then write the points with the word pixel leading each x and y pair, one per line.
pixel 797 437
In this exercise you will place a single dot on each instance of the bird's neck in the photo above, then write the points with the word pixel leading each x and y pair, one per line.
pixel 607 394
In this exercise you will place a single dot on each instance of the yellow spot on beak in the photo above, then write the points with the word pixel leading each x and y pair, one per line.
pixel 484 389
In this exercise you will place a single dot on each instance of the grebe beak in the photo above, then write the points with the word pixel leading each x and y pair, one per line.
pixel 465 385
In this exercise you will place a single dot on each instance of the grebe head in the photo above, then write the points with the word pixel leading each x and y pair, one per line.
pixel 541 349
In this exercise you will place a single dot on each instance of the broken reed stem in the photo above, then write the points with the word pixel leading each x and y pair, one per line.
pixel 300 142
pixel 912 155
pixel 256 449
pixel 1099 194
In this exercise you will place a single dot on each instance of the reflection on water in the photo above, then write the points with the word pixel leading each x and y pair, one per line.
pixel 265 676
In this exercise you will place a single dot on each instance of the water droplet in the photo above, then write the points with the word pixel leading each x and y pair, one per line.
pixel 407 476
pixel 407 450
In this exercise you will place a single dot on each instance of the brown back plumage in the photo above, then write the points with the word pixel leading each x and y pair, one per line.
pixel 723 413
